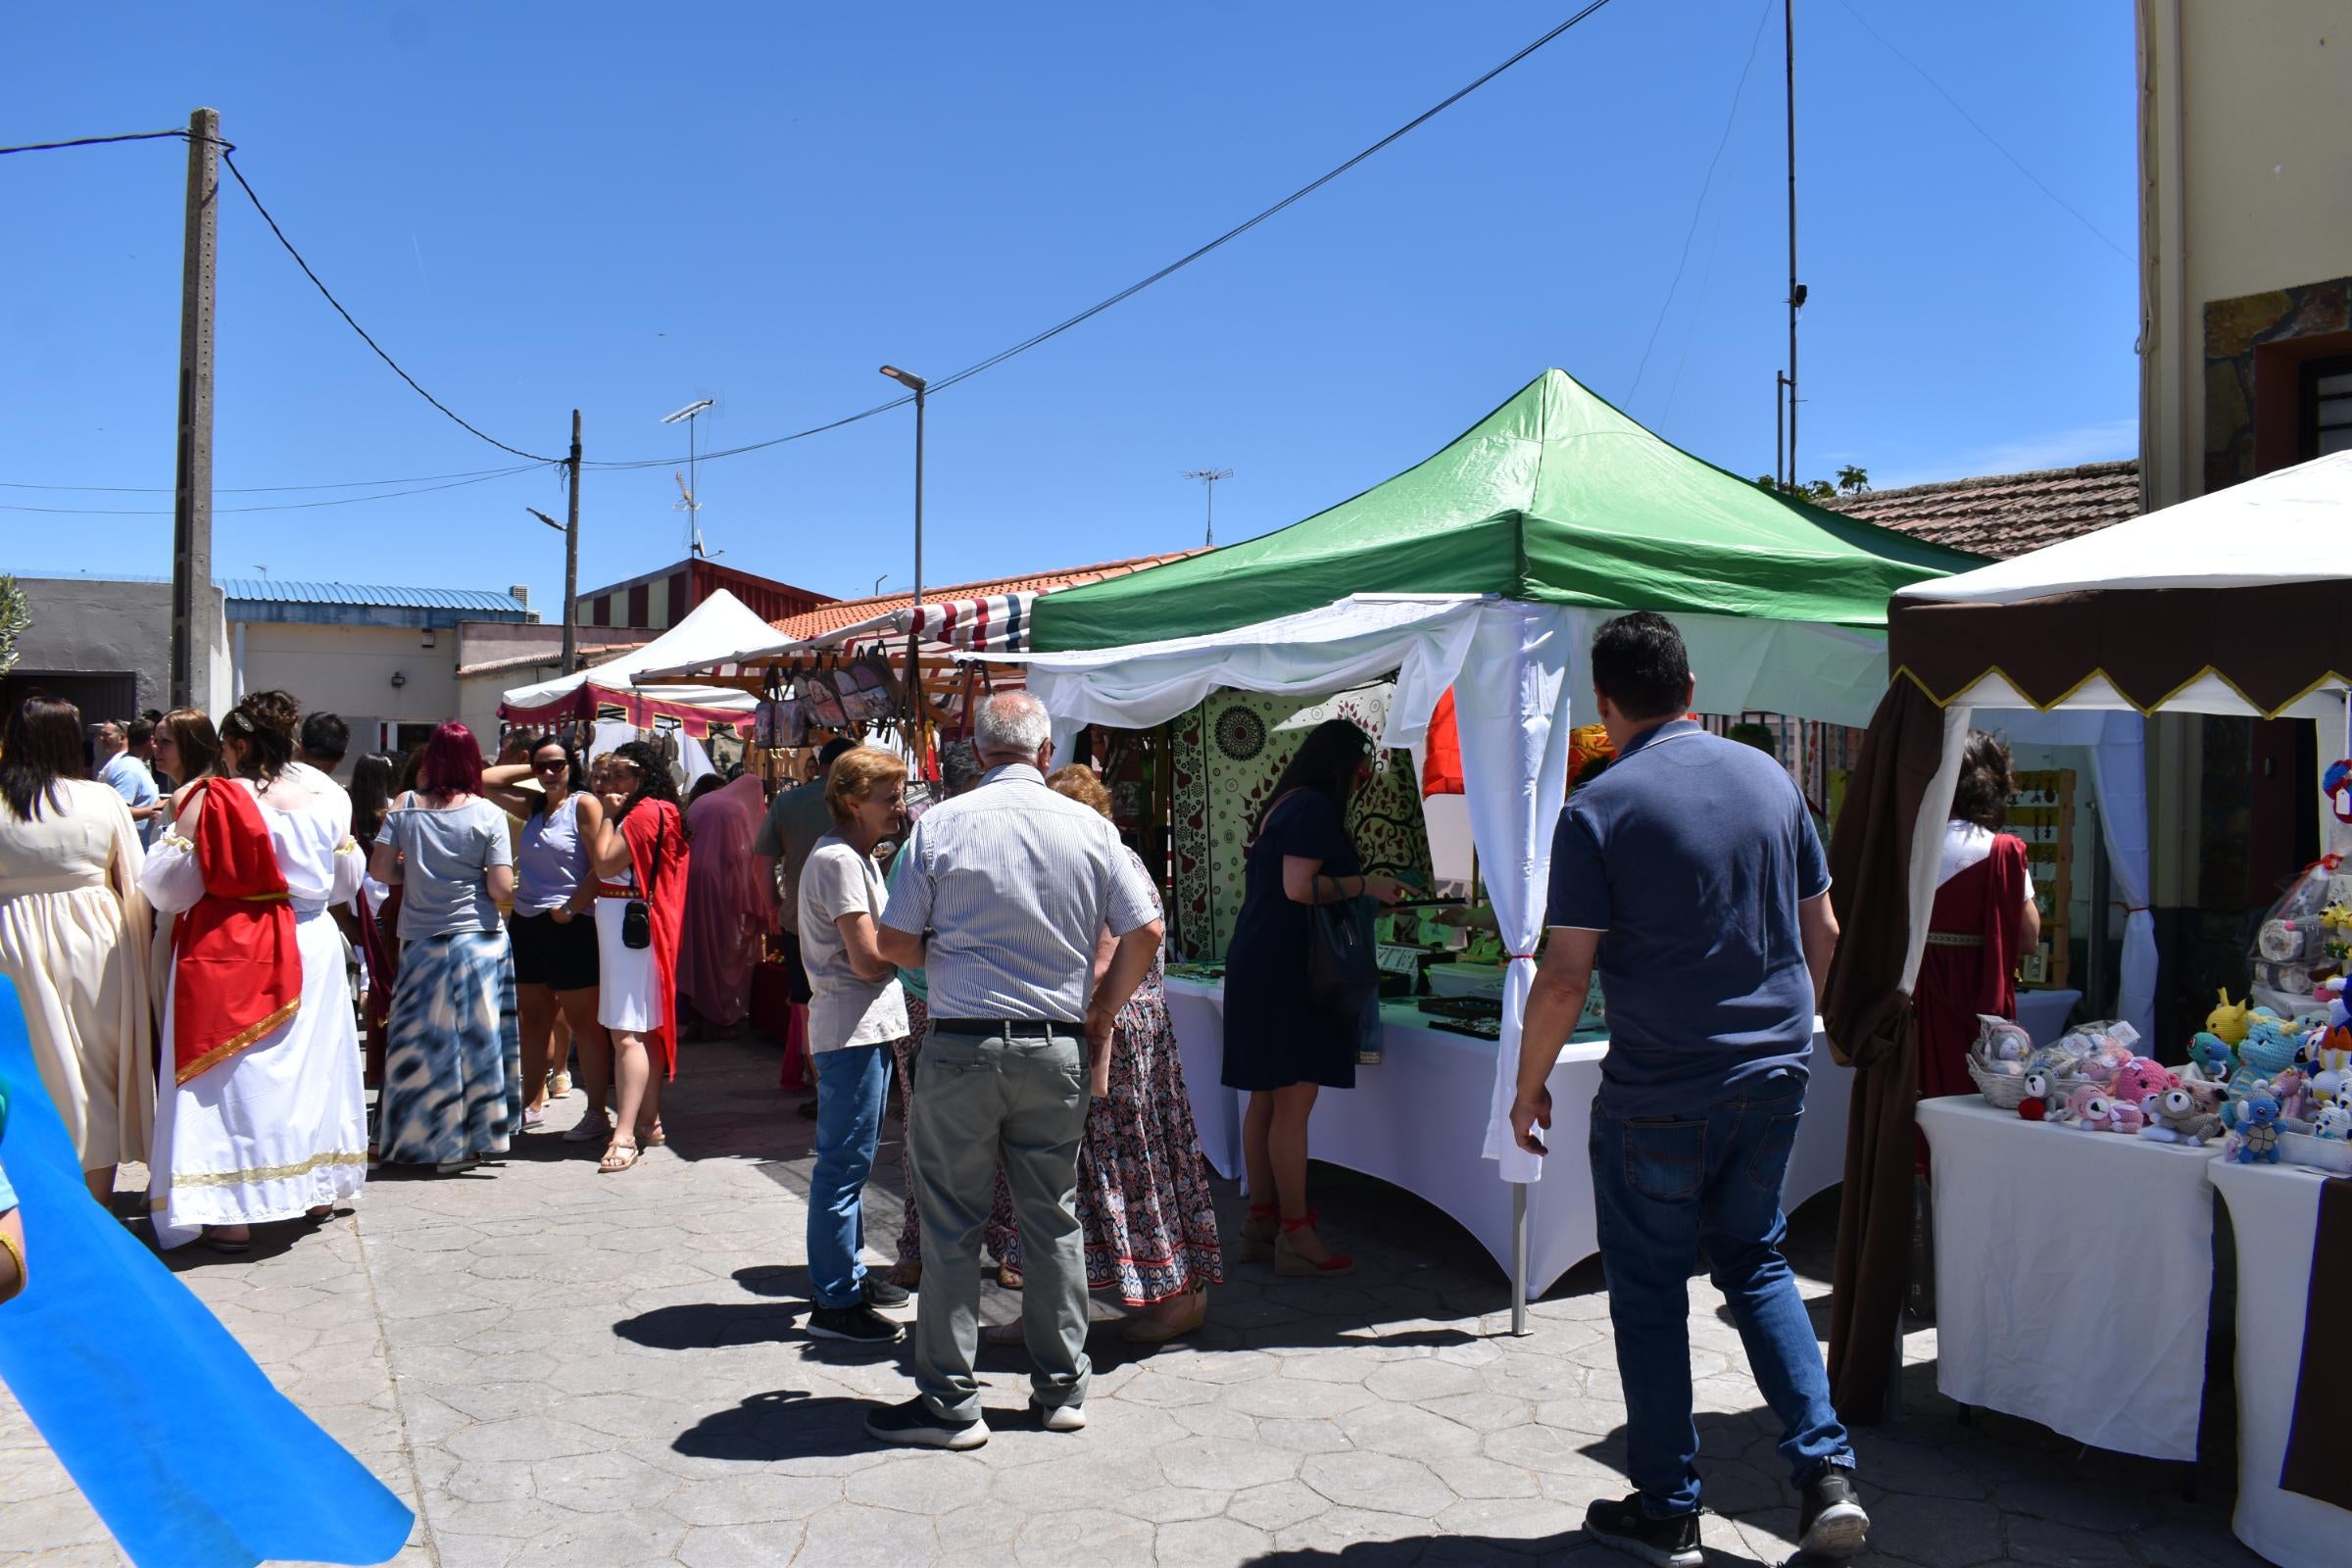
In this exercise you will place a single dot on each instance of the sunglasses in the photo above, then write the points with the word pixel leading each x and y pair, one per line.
pixel 553 764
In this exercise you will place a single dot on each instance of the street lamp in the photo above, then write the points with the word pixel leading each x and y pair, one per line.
pixel 918 386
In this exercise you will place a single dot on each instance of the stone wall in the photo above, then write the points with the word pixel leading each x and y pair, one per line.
pixel 2234 329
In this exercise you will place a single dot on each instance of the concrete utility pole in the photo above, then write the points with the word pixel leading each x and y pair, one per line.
pixel 571 556
pixel 192 483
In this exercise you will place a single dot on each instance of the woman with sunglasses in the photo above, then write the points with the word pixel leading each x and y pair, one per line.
pixel 1278 1048
pixel 640 862
pixel 552 927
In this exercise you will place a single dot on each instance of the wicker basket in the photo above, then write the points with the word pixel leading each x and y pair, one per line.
pixel 2004 1092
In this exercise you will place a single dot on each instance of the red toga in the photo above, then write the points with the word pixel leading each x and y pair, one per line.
pixel 649 826
pixel 1957 983
pixel 236 973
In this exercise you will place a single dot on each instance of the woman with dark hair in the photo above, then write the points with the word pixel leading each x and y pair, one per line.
pixel 73 936
pixel 1277 1047
pixel 1984 923
pixel 555 947
pixel 372 781
pixel 261 1114
pixel 640 859
pixel 452 1065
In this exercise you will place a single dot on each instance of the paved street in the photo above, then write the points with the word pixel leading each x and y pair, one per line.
pixel 572 1370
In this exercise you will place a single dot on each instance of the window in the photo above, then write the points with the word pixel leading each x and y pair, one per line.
pixel 604 610
pixel 412 736
pixel 677 599
pixel 640 606
pixel 2326 407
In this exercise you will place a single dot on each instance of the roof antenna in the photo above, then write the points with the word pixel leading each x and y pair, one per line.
pixel 1208 478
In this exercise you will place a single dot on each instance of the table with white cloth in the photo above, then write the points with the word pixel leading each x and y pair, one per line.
pixel 2275 1214
pixel 1417 1118
pixel 2073 1275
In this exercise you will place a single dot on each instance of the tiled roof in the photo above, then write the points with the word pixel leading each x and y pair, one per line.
pixel 850 612
pixel 284 591
pixel 2008 513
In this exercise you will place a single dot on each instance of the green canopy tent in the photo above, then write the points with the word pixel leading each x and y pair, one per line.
pixel 1489 561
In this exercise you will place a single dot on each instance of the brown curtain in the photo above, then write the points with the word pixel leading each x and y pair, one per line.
pixel 1871 1029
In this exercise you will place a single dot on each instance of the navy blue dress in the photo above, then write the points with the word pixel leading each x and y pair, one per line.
pixel 1272 1038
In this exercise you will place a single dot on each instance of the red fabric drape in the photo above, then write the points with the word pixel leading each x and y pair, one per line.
pixel 651 826
pixel 1957 984
pixel 1442 751
pixel 236 972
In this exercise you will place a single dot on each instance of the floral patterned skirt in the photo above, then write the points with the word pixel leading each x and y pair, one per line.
pixel 1144 1202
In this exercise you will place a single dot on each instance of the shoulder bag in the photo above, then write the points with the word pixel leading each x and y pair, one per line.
pixel 637 920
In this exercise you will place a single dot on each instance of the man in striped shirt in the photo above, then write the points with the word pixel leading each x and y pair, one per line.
pixel 1004 897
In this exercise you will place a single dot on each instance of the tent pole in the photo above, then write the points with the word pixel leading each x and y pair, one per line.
pixel 1519 1328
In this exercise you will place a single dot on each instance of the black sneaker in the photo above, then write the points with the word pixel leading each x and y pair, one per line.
pixel 880 1291
pixel 1832 1524
pixel 912 1425
pixel 1628 1527
pixel 858 1325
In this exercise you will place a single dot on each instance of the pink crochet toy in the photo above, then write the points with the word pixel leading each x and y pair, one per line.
pixel 2142 1077
pixel 2093 1110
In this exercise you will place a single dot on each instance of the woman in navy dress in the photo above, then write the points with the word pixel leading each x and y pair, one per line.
pixel 1277 1047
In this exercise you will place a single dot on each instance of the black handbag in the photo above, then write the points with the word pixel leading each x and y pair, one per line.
pixel 636 920
pixel 1342 971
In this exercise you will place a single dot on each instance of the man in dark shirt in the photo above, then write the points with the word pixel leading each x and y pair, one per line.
pixel 1689 874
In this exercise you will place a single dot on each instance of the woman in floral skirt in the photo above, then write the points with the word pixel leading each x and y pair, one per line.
pixel 1144 1200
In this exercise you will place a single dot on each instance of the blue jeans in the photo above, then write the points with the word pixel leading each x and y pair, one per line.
pixel 1662 1187
pixel 849 1123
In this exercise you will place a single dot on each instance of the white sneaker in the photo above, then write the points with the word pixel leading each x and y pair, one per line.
pixel 1059 1417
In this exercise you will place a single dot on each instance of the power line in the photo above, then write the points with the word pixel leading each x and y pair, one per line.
pixel 1921 71
pixel 98 141
pixel 1699 210
pixel 414 384
pixel 1177 265
pixel 260 489
pixel 286 506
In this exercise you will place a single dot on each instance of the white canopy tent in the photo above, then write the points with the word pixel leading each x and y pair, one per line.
pixel 704 641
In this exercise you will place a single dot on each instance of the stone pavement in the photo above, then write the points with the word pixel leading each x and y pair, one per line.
pixel 568 1370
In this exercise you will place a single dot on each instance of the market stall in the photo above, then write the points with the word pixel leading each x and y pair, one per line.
pixel 1495 561
pixel 700 641
pixel 2229 604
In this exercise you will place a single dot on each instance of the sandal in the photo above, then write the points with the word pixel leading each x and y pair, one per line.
pixel 620 1156
pixel 654 1139
pixel 1287 1260
pixel 228 1246
pixel 1254 1243
pixel 1152 1330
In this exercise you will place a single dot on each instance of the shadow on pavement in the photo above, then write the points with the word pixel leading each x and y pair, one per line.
pixel 780 1424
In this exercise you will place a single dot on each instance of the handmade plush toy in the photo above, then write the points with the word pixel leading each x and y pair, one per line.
pixel 2037 1103
pixel 2334 1124
pixel 2090 1109
pixel 2211 1059
pixel 2254 1120
pixel 2228 1020
pixel 2141 1078
pixel 2269 1044
pixel 2179 1116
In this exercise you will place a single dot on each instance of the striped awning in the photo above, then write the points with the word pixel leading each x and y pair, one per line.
pixel 996 623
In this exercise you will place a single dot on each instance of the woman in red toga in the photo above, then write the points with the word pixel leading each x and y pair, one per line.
pixel 1985 922
pixel 640 855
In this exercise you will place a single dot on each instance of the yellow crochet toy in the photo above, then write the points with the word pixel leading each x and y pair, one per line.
pixel 2228 1021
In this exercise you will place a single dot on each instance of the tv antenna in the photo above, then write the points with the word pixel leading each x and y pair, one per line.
pixel 686 485
pixel 1208 478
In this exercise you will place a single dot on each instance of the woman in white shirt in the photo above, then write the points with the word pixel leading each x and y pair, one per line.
pixel 1985 924
pixel 857 1013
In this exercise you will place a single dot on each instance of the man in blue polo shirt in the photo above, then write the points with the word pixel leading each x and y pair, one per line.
pixel 1691 876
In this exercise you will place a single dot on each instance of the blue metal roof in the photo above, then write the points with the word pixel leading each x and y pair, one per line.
pixel 283 591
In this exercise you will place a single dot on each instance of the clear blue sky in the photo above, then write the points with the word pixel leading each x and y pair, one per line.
pixel 624 209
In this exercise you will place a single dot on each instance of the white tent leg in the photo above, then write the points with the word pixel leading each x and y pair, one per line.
pixel 1519 1326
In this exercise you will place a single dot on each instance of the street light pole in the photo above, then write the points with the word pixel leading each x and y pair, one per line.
pixel 914 664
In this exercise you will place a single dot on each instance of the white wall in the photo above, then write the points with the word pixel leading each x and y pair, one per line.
pixel 349 670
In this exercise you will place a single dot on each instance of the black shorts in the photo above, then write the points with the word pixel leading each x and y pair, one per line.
pixel 551 954
pixel 796 972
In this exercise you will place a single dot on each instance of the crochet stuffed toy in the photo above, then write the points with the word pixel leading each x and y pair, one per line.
pixel 2179 1116
pixel 2334 1123
pixel 2140 1078
pixel 2037 1103
pixel 2254 1120
pixel 2211 1059
pixel 2090 1109
pixel 2228 1020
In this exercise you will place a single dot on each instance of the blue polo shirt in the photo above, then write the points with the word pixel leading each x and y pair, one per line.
pixel 1691 856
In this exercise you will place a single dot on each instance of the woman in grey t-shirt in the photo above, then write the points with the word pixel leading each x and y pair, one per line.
pixel 453 1069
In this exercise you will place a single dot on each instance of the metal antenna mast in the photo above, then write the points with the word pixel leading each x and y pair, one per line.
pixel 1208 478
pixel 690 502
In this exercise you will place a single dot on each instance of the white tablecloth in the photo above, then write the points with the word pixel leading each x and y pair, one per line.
pixel 1418 1119
pixel 2275 1211
pixel 2073 1276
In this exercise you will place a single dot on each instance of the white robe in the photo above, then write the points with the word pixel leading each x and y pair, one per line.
pixel 280 1127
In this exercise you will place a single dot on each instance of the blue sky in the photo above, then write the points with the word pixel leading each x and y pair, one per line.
pixel 624 209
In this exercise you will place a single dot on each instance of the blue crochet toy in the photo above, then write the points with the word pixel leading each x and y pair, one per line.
pixel 2213 1056
pixel 2255 1121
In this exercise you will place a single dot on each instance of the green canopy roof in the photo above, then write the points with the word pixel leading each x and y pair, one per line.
pixel 1555 497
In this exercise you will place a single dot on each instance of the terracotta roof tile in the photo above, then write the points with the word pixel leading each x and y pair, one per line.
pixel 850 612
pixel 2008 513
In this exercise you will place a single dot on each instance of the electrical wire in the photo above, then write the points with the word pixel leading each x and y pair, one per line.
pixel 258 489
pixel 1921 73
pixel 284 506
pixel 96 141
pixel 1135 288
pixel 1699 210
pixel 414 384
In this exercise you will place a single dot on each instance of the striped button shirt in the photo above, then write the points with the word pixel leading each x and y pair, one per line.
pixel 1015 883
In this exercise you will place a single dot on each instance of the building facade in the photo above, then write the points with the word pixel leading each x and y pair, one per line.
pixel 660 600
pixel 105 646
pixel 2245 164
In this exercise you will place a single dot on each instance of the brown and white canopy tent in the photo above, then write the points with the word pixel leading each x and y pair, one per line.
pixel 2234 602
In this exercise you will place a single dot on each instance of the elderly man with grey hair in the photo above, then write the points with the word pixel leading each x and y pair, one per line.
pixel 999 901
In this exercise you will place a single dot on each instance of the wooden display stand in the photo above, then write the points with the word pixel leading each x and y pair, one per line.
pixel 2042 813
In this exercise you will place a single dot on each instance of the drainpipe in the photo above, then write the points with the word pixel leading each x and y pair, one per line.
pixel 237 668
